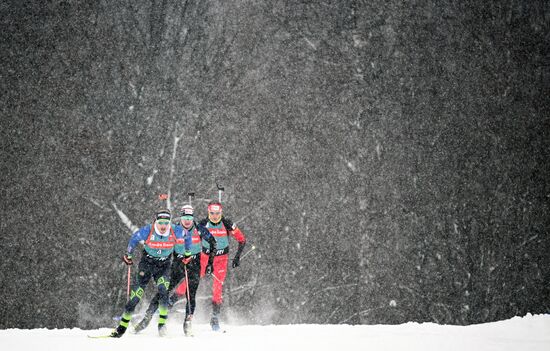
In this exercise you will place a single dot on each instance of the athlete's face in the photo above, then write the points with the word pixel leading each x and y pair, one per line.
pixel 214 216
pixel 163 225
pixel 187 221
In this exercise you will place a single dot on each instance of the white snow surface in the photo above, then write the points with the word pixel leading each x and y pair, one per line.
pixel 531 332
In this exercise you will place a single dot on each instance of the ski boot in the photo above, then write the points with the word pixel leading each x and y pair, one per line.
pixel 143 323
pixel 162 330
pixel 118 332
pixel 215 323
pixel 187 330
pixel 215 320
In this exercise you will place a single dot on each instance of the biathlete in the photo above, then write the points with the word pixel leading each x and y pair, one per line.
pixel 188 275
pixel 160 240
pixel 221 228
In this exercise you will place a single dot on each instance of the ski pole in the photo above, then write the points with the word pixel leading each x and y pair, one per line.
pixel 220 190
pixel 165 197
pixel 219 281
pixel 249 251
pixel 187 290
pixel 128 283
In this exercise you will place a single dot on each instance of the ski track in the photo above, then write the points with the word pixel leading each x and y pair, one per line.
pixel 530 333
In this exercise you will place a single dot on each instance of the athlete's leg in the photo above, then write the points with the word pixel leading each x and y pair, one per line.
pixel 219 273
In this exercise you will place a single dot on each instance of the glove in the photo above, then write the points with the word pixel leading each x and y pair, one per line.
pixel 210 264
pixel 209 268
pixel 236 261
pixel 237 258
pixel 173 299
pixel 127 258
pixel 186 259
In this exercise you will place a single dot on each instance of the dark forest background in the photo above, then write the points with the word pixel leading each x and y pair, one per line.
pixel 389 160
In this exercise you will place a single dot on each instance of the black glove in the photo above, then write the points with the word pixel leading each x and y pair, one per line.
pixel 210 264
pixel 236 261
pixel 209 268
pixel 127 258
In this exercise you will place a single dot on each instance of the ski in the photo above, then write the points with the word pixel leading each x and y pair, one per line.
pixel 100 336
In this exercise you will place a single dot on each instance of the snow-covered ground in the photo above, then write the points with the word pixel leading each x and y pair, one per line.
pixel 518 334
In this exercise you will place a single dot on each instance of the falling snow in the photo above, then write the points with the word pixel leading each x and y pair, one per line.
pixel 387 160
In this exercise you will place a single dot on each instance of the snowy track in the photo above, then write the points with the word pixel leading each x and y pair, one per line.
pixel 527 333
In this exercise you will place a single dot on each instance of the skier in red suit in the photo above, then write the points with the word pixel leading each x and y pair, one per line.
pixel 221 228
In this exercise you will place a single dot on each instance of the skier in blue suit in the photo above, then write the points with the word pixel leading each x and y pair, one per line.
pixel 160 239
pixel 187 277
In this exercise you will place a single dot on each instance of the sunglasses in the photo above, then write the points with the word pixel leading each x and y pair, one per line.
pixel 163 222
pixel 214 213
pixel 187 218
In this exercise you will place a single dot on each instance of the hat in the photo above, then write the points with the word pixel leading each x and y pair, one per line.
pixel 163 214
pixel 214 207
pixel 187 211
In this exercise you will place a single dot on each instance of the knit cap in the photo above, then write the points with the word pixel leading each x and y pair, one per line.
pixel 187 211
